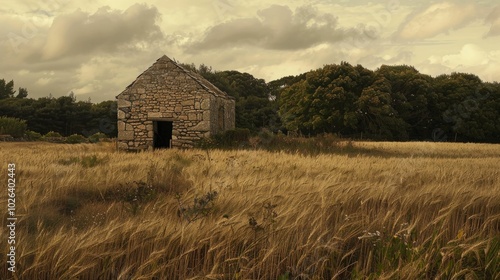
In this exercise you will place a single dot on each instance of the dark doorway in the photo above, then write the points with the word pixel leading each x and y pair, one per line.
pixel 162 134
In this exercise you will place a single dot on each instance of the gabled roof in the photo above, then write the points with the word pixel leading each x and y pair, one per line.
pixel 164 60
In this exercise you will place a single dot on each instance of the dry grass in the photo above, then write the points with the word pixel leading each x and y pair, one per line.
pixel 397 211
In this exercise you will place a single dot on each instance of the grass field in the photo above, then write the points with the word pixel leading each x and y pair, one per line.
pixel 373 211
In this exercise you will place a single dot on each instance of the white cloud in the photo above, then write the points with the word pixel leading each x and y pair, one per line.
pixel 97 51
pixel 87 89
pixel 276 28
pixel 470 55
pixel 23 72
pixel 436 19
pixel 393 56
pixel 81 33
pixel 470 59
pixel 43 81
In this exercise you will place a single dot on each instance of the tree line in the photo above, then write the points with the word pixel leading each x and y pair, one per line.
pixel 393 103
pixel 63 115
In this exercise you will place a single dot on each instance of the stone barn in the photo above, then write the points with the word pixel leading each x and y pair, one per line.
pixel 169 106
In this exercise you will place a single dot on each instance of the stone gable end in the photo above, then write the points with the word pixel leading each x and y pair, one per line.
pixel 167 97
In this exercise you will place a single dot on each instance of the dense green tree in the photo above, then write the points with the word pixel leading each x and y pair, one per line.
pixel 104 119
pixel 456 102
pixel 412 97
pixel 277 86
pixel 392 103
pixel 325 100
pixel 23 93
pixel 379 119
pixel 255 106
pixel 6 89
pixel 63 115
pixel 12 126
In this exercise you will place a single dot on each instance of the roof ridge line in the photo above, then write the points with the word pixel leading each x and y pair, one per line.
pixel 191 74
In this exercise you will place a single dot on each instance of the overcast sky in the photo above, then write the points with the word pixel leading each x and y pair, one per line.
pixel 96 48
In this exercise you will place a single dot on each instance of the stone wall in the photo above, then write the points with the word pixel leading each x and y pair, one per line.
pixel 218 123
pixel 166 93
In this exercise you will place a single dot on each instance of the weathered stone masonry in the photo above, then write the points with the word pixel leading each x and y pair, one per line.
pixel 167 92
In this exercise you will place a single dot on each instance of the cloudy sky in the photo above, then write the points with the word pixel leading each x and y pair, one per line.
pixel 96 49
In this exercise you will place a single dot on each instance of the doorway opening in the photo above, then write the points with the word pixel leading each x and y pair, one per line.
pixel 162 134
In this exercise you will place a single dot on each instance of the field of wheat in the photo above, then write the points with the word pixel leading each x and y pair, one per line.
pixel 378 211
